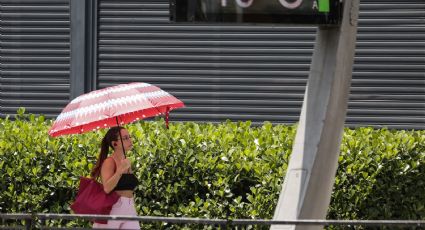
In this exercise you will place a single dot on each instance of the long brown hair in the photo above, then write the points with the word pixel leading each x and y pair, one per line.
pixel 111 135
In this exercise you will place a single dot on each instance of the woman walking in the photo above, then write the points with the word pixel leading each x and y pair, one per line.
pixel 117 176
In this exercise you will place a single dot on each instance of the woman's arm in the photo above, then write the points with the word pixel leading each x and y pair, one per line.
pixel 109 175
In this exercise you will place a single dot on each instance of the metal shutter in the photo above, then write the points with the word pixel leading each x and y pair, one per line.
pixel 259 73
pixel 34 56
pixel 388 86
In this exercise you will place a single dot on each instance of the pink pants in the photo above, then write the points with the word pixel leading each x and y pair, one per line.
pixel 123 207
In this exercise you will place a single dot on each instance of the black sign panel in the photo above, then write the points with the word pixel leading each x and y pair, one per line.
pixel 326 12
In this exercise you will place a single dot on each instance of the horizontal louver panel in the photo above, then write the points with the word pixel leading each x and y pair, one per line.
pixel 35 56
pixel 388 86
pixel 220 72
pixel 259 73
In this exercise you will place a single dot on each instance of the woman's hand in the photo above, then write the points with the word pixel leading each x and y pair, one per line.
pixel 124 166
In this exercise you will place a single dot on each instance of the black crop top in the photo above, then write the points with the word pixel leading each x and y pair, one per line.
pixel 128 181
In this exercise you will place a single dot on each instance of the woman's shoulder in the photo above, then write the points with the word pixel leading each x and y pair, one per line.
pixel 109 162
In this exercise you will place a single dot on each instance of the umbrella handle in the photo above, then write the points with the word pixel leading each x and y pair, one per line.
pixel 167 112
pixel 122 143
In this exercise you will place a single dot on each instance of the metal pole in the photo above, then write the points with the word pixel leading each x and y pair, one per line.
pixel 83 46
pixel 78 47
pixel 122 144
pixel 310 176
pixel 222 223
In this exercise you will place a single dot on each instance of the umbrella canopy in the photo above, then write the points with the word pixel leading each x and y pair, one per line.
pixel 112 106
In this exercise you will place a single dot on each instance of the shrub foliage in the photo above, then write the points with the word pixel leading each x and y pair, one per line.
pixel 227 170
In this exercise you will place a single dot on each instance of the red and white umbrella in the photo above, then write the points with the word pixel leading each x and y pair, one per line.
pixel 112 106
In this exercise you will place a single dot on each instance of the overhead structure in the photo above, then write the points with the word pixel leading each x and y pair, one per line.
pixel 324 12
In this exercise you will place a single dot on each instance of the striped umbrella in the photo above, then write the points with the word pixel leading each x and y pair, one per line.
pixel 112 106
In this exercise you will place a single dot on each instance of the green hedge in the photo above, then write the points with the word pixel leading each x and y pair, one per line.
pixel 381 175
pixel 227 170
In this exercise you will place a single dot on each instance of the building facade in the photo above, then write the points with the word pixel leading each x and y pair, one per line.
pixel 55 50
